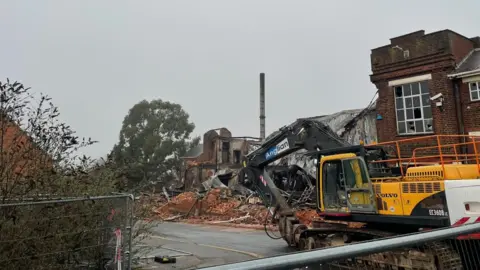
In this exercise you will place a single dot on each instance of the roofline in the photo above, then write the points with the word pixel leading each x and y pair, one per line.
pixel 453 32
pixel 426 34
pixel 464 74
pixel 408 34
pixel 466 58
pixel 311 117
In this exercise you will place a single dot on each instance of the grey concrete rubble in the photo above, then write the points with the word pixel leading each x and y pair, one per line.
pixel 214 181
pixel 351 125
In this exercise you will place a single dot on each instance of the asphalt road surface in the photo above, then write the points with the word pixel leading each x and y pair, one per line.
pixel 197 246
pixel 247 240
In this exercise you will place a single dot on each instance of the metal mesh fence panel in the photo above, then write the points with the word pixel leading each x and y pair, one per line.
pixel 451 248
pixel 447 254
pixel 73 233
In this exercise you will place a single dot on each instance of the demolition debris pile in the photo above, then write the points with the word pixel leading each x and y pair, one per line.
pixel 219 206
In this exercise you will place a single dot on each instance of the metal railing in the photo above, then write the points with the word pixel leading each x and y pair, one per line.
pixel 352 256
pixel 71 233
pixel 433 149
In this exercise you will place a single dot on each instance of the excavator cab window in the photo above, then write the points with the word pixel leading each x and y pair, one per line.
pixel 346 186
pixel 356 176
pixel 358 186
pixel 333 183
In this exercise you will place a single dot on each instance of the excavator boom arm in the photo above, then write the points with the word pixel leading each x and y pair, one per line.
pixel 304 134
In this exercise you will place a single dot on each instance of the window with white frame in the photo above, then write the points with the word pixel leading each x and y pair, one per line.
pixel 474 91
pixel 412 106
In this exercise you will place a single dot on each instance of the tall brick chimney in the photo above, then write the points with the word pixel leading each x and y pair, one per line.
pixel 262 106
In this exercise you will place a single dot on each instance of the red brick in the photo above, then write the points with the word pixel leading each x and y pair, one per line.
pixel 436 54
pixel 470 109
pixel 20 154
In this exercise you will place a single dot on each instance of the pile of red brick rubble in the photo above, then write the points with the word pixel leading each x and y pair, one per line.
pixel 220 207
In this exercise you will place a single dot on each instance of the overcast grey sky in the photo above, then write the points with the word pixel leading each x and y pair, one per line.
pixel 98 58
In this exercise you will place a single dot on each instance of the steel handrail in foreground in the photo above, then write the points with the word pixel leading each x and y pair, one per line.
pixel 321 256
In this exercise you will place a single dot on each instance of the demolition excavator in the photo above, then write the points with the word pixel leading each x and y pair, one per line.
pixel 375 186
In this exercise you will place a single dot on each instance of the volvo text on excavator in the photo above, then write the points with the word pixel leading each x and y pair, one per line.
pixel 389 193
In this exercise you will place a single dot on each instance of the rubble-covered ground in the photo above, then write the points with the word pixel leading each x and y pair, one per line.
pixel 218 207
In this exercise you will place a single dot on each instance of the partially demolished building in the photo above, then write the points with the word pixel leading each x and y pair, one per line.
pixel 354 126
pixel 219 151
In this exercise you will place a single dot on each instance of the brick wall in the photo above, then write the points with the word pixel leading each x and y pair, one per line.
pixel 436 54
pixel 445 122
pixel 212 147
pixel 470 109
pixel 461 46
pixel 19 154
pixel 208 152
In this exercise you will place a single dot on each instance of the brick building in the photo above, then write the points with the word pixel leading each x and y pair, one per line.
pixel 219 150
pixel 427 84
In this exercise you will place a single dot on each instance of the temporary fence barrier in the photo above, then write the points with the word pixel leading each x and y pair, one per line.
pixel 69 233
pixel 448 242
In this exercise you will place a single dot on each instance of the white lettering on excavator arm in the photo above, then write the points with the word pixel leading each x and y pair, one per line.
pixel 279 148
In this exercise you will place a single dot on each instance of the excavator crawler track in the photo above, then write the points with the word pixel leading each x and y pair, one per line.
pixel 432 256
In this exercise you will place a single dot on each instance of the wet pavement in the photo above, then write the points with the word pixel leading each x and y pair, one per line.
pixel 197 246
